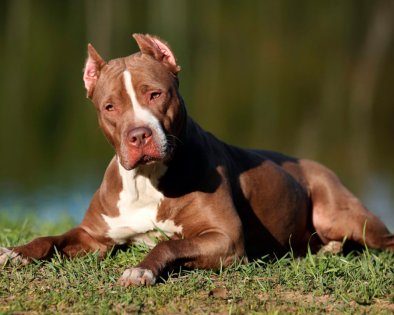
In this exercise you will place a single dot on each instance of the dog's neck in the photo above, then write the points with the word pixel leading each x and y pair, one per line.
pixel 152 172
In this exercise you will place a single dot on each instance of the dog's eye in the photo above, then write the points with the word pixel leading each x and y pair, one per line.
pixel 154 95
pixel 109 107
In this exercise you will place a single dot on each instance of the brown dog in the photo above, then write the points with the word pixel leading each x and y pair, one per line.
pixel 215 202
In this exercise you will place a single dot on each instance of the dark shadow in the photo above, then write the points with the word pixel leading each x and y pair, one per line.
pixel 195 168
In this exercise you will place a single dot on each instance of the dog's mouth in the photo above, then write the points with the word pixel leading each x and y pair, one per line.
pixel 156 149
pixel 132 157
pixel 146 160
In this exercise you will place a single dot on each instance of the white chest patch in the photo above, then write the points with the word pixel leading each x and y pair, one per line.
pixel 138 205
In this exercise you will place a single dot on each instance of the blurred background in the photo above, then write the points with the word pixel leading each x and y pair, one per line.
pixel 308 78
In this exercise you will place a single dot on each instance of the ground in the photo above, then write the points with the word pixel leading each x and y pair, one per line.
pixel 355 283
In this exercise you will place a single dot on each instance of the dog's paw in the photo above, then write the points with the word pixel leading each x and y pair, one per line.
pixel 332 247
pixel 137 276
pixel 8 256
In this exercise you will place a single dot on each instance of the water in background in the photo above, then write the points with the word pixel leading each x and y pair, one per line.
pixel 52 203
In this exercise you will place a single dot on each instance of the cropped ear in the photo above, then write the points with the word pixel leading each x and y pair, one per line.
pixel 91 73
pixel 158 49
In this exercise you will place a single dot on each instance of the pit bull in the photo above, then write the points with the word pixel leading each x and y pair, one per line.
pixel 207 203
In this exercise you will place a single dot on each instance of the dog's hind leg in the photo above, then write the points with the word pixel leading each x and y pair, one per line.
pixel 75 242
pixel 337 214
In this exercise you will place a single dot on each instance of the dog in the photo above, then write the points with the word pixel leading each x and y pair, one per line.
pixel 207 203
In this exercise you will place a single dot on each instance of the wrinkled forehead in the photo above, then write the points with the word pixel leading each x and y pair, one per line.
pixel 145 72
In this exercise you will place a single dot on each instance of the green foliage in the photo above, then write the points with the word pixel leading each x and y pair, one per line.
pixel 314 284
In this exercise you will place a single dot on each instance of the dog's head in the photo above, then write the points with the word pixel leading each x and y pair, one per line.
pixel 139 108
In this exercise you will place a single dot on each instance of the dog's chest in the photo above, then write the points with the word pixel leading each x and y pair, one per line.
pixel 138 206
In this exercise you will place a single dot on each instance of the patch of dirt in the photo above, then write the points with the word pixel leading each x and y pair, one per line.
pixel 219 293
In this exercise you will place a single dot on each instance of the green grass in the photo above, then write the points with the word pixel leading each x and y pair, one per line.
pixel 362 283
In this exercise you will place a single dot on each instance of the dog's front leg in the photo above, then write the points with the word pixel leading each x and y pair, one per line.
pixel 72 243
pixel 209 250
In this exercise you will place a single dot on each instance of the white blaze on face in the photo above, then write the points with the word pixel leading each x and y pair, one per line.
pixel 143 115
pixel 138 205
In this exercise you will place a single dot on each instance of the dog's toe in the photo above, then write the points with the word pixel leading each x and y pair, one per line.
pixel 137 276
pixel 9 256
pixel 332 247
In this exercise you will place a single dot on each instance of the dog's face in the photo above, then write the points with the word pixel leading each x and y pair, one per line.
pixel 137 101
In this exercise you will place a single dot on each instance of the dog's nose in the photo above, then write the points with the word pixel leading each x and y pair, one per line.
pixel 140 136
